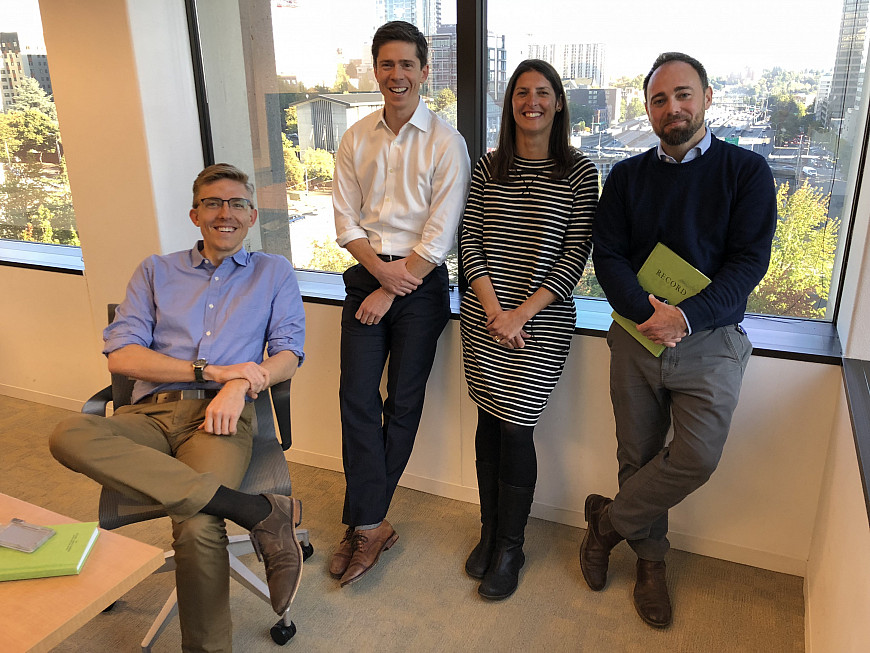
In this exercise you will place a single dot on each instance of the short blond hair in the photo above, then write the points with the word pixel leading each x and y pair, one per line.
pixel 217 172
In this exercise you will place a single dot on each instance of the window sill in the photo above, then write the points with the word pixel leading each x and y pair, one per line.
pixel 42 256
pixel 773 337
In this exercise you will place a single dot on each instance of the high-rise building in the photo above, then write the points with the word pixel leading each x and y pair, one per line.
pixel 442 62
pixel 424 14
pixel 12 70
pixel 851 59
pixel 17 65
pixel 574 60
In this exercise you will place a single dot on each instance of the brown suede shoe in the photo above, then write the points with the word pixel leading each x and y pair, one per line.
pixel 276 546
pixel 651 598
pixel 367 547
pixel 341 557
pixel 596 545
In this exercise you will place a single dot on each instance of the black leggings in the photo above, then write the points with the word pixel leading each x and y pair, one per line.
pixel 510 446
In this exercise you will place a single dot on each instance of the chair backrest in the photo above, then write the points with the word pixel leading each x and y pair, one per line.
pixel 267 472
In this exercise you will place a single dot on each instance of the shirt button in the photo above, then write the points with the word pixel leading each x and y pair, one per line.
pixel 208 333
pixel 217 278
pixel 211 305
pixel 386 199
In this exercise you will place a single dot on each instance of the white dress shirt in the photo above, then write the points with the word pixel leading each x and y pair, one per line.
pixel 402 192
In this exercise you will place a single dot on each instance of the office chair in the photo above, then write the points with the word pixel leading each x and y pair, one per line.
pixel 267 473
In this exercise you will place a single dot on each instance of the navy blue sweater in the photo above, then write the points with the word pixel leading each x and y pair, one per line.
pixel 718 212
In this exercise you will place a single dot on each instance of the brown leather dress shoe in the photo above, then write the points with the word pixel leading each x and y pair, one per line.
pixel 367 547
pixel 341 557
pixel 651 598
pixel 276 546
pixel 597 543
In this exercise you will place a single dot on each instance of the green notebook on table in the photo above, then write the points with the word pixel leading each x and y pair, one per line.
pixel 666 275
pixel 63 554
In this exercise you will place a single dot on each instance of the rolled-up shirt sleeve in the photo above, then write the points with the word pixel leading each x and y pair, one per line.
pixel 286 330
pixel 136 315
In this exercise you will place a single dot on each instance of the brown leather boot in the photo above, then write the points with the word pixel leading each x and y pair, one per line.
pixel 600 538
pixel 341 558
pixel 651 598
pixel 367 548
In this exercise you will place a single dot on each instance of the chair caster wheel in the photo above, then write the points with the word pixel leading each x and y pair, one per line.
pixel 282 634
pixel 307 551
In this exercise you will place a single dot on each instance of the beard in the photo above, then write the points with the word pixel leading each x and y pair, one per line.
pixel 679 135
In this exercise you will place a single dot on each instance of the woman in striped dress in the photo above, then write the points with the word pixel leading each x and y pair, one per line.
pixel 525 239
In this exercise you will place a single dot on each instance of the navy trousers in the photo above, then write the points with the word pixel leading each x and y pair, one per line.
pixel 378 434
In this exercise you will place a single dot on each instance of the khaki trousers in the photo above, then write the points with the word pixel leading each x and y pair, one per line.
pixel 155 452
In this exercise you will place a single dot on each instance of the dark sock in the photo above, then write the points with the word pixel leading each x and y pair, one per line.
pixel 247 510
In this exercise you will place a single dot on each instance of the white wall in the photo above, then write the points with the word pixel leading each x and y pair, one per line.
pixel 758 509
pixel 838 573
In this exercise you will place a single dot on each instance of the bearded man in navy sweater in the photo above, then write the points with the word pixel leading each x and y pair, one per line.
pixel 713 204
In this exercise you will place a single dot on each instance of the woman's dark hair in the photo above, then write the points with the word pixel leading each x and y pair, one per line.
pixel 399 30
pixel 560 149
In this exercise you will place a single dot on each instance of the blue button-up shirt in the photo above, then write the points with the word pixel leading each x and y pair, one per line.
pixel 182 306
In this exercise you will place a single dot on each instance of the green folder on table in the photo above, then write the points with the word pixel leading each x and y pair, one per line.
pixel 666 275
pixel 64 554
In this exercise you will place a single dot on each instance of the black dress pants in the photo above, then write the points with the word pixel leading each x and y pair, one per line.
pixel 378 435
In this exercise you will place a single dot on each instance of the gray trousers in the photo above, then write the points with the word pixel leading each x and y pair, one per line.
pixel 696 385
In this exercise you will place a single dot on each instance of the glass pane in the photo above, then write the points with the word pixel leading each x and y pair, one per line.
pixel 312 80
pixel 787 83
pixel 35 199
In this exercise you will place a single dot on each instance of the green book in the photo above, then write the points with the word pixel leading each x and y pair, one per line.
pixel 666 275
pixel 62 555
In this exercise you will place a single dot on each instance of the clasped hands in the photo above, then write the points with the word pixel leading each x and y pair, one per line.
pixel 506 328
pixel 395 281
pixel 667 325
pixel 222 413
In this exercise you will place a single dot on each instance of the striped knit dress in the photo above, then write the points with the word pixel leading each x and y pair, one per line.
pixel 525 233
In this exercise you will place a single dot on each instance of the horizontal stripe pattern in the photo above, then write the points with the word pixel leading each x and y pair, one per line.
pixel 525 233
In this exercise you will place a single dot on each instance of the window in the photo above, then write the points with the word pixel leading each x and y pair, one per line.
pixel 37 220
pixel 312 88
pixel 791 92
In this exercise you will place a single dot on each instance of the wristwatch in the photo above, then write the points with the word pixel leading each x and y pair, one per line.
pixel 198 366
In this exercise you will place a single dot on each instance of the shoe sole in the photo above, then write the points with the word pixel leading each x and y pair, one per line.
pixel 389 543
pixel 587 512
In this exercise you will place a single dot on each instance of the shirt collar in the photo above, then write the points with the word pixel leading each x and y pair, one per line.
pixel 421 118
pixel 696 152
pixel 198 260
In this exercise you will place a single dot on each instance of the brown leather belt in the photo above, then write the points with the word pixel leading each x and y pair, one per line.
pixel 177 395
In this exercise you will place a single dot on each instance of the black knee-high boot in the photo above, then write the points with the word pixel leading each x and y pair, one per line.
pixel 502 577
pixel 487 485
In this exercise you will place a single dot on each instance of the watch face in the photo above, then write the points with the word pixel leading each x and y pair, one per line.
pixel 200 363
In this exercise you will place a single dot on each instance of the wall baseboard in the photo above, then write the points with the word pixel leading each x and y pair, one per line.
pixel 41 397
pixel 691 543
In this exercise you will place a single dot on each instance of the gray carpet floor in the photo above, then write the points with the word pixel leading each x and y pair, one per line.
pixel 418 598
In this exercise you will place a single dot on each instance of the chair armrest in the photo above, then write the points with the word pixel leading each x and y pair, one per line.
pixel 97 404
pixel 281 402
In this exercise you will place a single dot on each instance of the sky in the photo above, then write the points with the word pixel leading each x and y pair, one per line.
pixel 725 36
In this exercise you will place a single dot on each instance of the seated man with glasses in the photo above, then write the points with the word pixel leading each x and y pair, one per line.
pixel 191 331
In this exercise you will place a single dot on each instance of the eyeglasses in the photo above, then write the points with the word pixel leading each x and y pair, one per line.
pixel 236 204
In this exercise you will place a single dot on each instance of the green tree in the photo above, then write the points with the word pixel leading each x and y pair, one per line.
pixel 342 81
pixel 444 99
pixel 634 109
pixel 629 82
pixel 291 120
pixel 39 226
pixel 802 258
pixel 326 255
pixel 293 169
pixel 320 164
pixel 31 96
pixel 33 131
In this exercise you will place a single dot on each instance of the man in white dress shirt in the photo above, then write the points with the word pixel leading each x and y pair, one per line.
pixel 401 177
